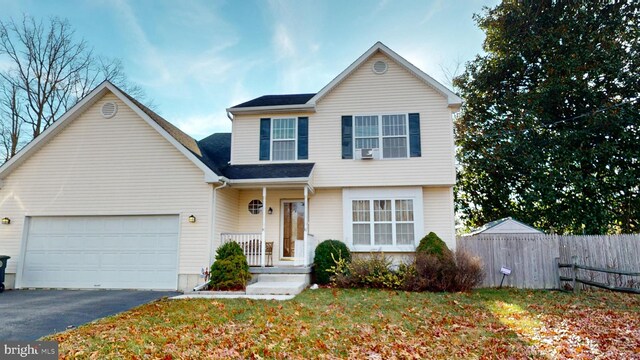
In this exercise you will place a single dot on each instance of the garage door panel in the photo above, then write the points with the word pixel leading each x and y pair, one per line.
pixel 102 252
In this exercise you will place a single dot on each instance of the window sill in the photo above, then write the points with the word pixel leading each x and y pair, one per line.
pixel 387 249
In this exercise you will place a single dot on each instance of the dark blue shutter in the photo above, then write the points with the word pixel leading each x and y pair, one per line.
pixel 265 139
pixel 347 137
pixel 303 138
pixel 415 150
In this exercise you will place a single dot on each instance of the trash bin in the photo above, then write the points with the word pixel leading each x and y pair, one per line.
pixel 3 267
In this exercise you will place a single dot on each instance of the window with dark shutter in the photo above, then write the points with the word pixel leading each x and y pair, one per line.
pixel 415 148
pixel 265 139
pixel 303 138
pixel 347 137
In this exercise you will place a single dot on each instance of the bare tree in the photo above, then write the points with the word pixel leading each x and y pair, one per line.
pixel 10 121
pixel 50 71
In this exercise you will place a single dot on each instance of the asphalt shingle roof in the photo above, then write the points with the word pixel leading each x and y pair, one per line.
pixel 269 171
pixel 216 153
pixel 276 100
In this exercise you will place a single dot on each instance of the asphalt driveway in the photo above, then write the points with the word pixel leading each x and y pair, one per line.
pixel 31 314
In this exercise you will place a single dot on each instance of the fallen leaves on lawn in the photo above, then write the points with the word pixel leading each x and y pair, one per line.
pixel 369 324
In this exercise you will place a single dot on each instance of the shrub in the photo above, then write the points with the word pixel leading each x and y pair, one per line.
pixel 228 250
pixel 373 271
pixel 230 271
pixel 432 244
pixel 461 272
pixel 469 271
pixel 328 253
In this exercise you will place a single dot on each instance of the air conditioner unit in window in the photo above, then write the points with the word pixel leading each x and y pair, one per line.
pixel 367 154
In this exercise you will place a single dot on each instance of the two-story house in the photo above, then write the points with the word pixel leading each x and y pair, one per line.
pixel 114 196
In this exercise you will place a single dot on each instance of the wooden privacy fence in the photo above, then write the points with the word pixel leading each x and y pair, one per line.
pixel 532 258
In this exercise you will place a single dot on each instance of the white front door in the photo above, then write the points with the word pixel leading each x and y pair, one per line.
pixel 292 240
pixel 101 252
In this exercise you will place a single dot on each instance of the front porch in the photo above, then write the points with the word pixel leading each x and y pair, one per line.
pixel 278 215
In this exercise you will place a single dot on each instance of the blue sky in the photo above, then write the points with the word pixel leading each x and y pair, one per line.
pixel 195 58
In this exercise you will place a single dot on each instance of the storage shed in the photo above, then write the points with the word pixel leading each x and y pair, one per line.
pixel 506 225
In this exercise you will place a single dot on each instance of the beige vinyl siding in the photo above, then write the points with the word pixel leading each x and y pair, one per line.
pixel 325 221
pixel 117 166
pixel 226 213
pixel 364 92
pixel 439 213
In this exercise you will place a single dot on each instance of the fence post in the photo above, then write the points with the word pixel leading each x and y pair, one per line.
pixel 574 273
pixel 559 284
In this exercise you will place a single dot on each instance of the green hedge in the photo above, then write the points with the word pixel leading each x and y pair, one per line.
pixel 327 252
pixel 230 271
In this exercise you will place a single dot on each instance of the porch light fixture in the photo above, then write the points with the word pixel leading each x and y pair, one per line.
pixel 192 219
pixel 6 221
pixel 270 211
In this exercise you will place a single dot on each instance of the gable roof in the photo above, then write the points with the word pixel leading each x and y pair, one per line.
pixel 181 141
pixel 452 99
pixel 276 100
pixel 307 102
pixel 496 223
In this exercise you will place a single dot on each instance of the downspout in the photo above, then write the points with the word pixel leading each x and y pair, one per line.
pixel 225 183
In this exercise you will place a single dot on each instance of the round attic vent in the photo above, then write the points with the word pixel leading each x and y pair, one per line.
pixel 109 110
pixel 380 67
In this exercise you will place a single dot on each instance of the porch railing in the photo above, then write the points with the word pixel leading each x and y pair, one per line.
pixel 251 244
pixel 311 248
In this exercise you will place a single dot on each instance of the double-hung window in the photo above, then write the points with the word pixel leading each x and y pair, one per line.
pixel 388 132
pixel 380 222
pixel 389 219
pixel 283 139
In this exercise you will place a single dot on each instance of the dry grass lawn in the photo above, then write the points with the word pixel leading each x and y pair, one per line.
pixel 370 324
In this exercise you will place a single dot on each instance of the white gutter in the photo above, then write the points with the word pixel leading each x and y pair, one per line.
pixel 273 109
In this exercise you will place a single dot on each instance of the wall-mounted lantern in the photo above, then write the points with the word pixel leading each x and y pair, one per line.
pixel 270 211
pixel 6 221
pixel 192 219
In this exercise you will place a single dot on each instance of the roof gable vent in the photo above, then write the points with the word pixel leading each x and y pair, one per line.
pixel 109 110
pixel 380 67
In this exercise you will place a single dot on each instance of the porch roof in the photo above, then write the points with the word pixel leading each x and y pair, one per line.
pixel 269 171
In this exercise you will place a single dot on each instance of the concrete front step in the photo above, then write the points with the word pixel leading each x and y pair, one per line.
pixel 276 288
pixel 283 278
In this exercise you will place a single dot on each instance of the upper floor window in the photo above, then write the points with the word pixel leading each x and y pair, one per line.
pixel 283 139
pixel 386 132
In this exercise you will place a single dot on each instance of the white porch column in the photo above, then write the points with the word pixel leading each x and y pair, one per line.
pixel 306 226
pixel 263 256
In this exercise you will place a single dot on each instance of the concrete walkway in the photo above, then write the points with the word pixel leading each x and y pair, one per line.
pixel 233 295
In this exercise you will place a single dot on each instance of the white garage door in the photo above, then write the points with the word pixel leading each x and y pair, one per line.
pixel 102 252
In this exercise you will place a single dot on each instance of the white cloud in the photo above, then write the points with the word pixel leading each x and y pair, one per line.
pixel 201 126
pixel 435 7
pixel 296 43
pixel 148 54
pixel 283 42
